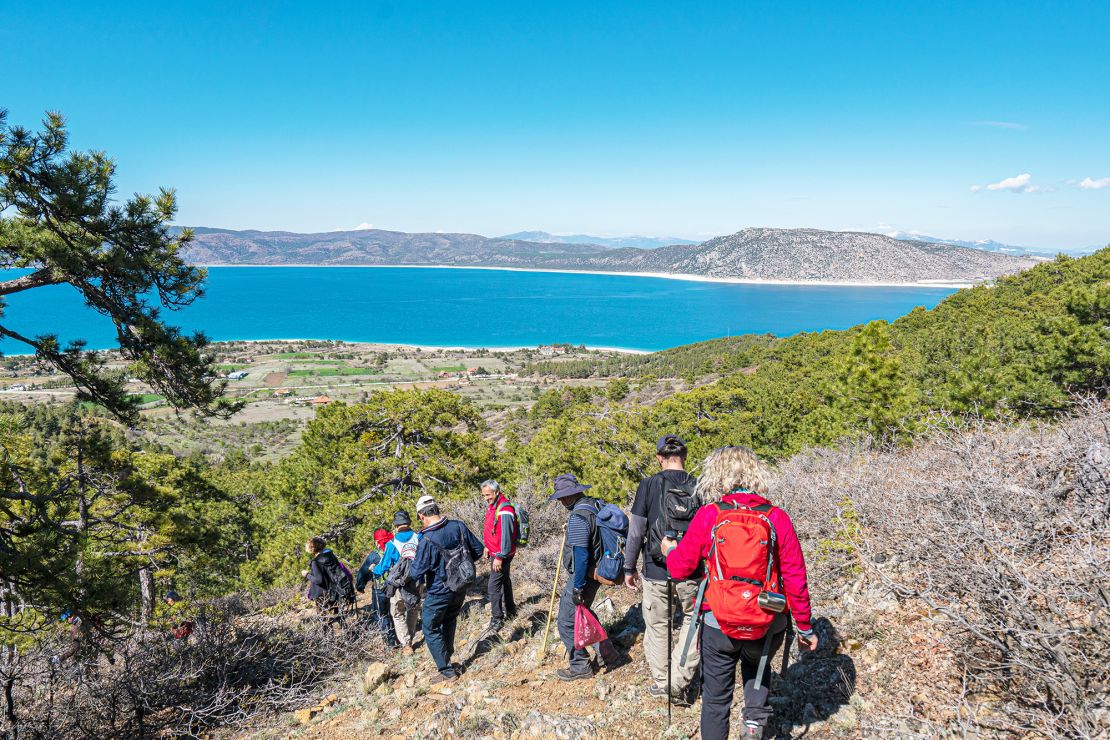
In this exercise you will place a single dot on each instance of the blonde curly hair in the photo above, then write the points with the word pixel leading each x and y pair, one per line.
pixel 727 469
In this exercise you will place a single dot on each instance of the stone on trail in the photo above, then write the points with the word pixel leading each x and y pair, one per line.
pixel 546 725
pixel 376 675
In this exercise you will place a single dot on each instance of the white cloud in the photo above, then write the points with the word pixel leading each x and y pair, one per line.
pixel 1016 184
pixel 363 226
pixel 1088 183
pixel 1001 124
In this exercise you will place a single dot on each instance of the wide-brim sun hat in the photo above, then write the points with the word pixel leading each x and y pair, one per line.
pixel 567 485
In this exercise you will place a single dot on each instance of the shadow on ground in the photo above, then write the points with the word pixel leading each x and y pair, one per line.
pixel 813 687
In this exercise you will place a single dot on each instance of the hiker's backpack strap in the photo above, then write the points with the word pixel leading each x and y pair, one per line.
pixel 765 510
pixel 597 547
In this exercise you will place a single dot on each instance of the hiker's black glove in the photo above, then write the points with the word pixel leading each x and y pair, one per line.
pixel 577 597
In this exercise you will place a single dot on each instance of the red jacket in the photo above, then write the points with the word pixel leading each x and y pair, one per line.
pixel 694 548
pixel 499 533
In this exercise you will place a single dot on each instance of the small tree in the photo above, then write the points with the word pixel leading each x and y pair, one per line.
pixel 874 392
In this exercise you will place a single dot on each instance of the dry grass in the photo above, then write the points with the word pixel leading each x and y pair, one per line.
pixel 247 659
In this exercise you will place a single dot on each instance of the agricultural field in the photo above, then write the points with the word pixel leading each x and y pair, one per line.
pixel 284 383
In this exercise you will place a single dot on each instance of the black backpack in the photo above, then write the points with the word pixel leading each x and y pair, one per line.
pixel 397 577
pixel 457 565
pixel 340 586
pixel 677 506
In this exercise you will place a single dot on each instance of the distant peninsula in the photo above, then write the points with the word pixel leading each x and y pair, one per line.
pixel 756 255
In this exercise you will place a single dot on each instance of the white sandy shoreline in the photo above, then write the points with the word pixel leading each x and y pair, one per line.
pixel 394 345
pixel 437 347
pixel 951 284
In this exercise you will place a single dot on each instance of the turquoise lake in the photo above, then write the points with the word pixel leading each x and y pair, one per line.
pixel 477 308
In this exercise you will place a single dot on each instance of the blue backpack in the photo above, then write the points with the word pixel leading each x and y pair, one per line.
pixel 611 524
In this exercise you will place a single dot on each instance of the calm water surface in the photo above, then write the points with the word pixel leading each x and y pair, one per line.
pixel 477 308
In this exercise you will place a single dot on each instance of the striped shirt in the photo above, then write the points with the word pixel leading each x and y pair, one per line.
pixel 578 527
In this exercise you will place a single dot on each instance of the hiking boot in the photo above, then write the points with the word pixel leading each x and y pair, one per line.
pixel 567 674
pixel 752 731
pixel 656 691
pixel 458 668
pixel 495 625
pixel 682 699
pixel 445 676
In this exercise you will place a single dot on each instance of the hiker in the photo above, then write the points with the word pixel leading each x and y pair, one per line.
pixel 445 564
pixel 738 627
pixel 580 558
pixel 402 590
pixel 499 537
pixel 379 603
pixel 329 583
pixel 653 516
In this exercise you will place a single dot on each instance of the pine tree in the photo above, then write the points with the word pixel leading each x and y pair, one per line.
pixel 873 392
pixel 124 260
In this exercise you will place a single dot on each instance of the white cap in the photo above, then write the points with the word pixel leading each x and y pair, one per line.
pixel 424 503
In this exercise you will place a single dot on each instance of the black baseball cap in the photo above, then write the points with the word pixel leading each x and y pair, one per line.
pixel 669 439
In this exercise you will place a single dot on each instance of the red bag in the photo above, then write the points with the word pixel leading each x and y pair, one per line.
pixel 587 630
pixel 741 565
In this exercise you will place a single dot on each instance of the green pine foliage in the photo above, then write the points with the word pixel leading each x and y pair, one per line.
pixel 58 219
pixel 358 464
pixel 85 515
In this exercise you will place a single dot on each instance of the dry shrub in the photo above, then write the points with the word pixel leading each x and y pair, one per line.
pixel 1002 537
pixel 246 659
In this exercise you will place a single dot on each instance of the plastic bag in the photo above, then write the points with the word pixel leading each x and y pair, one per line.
pixel 587 630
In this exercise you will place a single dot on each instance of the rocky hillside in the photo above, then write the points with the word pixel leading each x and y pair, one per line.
pixel 811 254
pixel 754 254
pixel 372 247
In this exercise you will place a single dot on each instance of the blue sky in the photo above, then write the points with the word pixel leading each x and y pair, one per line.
pixel 962 120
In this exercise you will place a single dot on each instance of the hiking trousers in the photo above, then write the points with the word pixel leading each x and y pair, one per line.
pixel 439 619
pixel 719 656
pixel 404 618
pixel 500 591
pixel 580 659
pixel 383 617
pixel 656 622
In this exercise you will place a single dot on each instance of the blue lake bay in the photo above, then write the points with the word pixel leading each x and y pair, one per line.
pixel 478 308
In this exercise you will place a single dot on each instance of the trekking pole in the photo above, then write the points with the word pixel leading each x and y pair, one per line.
pixel 670 628
pixel 786 645
pixel 691 632
pixel 551 603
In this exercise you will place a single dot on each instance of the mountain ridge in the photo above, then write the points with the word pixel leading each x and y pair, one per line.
pixel 613 242
pixel 756 254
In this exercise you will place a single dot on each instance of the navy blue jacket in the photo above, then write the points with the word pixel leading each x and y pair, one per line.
pixel 445 534
pixel 365 575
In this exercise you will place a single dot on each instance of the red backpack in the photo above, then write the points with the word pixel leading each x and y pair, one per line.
pixel 741 564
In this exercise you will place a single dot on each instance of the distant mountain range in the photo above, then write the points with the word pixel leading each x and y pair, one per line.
pixel 988 245
pixel 613 242
pixel 991 245
pixel 753 254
